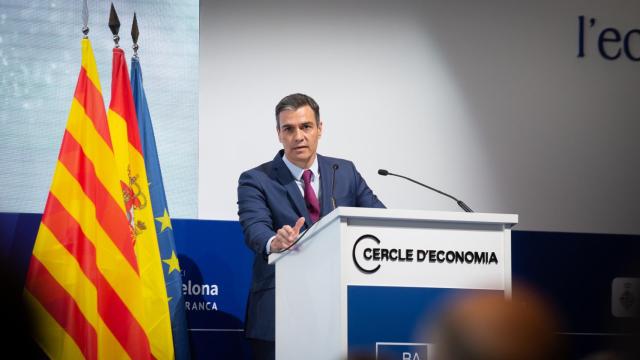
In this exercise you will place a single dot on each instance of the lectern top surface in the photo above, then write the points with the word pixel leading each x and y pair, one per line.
pixel 400 214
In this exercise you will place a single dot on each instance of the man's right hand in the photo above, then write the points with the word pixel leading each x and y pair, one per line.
pixel 286 236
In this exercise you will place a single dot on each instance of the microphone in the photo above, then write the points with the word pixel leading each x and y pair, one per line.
pixel 333 186
pixel 460 203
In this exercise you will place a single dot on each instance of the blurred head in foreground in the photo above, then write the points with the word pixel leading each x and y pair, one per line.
pixel 489 327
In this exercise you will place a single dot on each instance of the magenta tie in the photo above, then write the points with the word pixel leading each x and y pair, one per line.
pixel 310 197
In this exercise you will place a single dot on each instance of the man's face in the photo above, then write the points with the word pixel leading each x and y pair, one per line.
pixel 298 133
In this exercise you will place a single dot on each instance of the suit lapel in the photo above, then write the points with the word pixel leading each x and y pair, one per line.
pixel 287 180
pixel 326 176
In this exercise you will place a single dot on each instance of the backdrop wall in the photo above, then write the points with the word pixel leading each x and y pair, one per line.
pixel 486 100
pixel 39 64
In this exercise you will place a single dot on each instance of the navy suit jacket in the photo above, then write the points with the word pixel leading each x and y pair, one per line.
pixel 268 199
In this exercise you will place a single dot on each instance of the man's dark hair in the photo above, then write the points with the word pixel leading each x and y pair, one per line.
pixel 294 102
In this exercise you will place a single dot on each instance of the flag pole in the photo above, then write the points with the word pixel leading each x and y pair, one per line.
pixel 135 33
pixel 114 25
pixel 85 19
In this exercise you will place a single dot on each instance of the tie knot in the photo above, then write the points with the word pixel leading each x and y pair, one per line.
pixel 306 176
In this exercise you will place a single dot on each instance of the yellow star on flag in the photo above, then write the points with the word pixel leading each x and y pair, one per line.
pixel 172 262
pixel 165 221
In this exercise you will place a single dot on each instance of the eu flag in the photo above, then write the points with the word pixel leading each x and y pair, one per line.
pixel 166 243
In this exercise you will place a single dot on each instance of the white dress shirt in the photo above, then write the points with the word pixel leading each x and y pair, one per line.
pixel 297 171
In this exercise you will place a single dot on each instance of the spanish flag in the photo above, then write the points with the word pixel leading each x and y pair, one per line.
pixel 154 316
pixel 85 281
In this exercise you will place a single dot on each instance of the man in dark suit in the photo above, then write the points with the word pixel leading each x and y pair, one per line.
pixel 278 199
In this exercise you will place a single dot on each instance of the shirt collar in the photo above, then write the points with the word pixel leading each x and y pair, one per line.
pixel 297 171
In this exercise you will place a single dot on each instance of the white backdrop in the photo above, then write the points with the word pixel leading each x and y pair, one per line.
pixel 486 100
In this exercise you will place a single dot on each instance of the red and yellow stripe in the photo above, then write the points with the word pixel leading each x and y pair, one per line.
pixel 85 282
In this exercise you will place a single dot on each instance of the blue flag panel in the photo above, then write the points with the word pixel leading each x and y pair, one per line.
pixel 164 229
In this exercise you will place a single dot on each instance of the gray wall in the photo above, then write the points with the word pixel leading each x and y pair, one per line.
pixel 486 100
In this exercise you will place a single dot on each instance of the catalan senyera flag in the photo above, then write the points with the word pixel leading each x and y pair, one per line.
pixel 84 282
pixel 123 125
pixel 164 230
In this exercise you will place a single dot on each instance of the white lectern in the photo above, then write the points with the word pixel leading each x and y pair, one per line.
pixel 361 279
